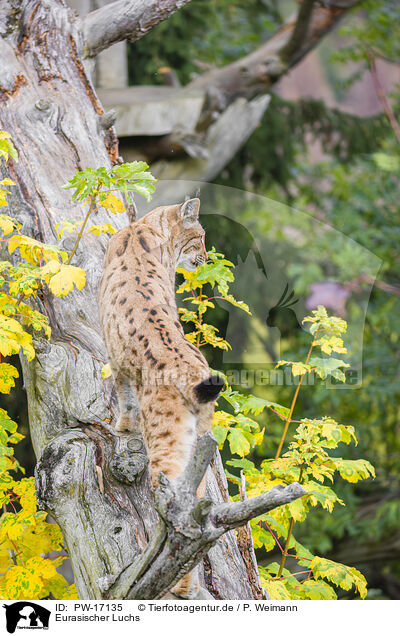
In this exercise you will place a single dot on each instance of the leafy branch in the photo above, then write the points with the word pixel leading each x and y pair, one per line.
pixel 307 459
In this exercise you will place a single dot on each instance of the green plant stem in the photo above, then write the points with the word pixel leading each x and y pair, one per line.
pixel 200 319
pixel 293 404
pixel 289 534
pixel 286 548
pixel 78 238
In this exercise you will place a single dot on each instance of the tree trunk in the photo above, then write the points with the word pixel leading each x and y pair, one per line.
pixel 94 483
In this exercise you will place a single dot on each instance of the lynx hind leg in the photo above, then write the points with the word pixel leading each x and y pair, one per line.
pixel 129 411
pixel 169 431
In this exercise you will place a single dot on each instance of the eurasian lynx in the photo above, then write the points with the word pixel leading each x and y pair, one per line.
pixel 148 352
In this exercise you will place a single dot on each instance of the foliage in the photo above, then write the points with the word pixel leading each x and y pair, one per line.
pixel 361 200
pixel 286 130
pixel 28 569
pixel 95 188
pixel 307 459
pixel 27 540
pixel 371 31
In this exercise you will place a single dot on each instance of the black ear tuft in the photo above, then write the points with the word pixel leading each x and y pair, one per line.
pixel 190 211
pixel 209 389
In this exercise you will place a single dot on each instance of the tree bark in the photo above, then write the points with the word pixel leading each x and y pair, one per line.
pixel 93 482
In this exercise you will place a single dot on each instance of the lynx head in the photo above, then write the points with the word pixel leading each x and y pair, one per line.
pixel 190 248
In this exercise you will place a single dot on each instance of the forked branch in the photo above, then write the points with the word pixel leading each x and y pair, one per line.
pixel 254 73
pixel 189 527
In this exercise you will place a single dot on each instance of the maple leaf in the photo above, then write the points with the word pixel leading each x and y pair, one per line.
pixel 63 282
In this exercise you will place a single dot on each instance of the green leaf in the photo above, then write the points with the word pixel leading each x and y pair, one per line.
pixel 238 443
pixel 251 404
pixel 329 366
pixel 220 434
pixel 318 590
pixel 246 464
pixel 384 161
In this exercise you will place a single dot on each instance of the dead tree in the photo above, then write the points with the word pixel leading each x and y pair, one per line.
pixel 94 483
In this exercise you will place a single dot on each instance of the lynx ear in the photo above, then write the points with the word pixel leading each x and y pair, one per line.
pixel 190 211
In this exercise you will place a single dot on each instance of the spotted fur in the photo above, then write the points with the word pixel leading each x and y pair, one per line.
pixel 162 380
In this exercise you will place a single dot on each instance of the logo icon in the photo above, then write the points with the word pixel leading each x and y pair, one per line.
pixel 26 615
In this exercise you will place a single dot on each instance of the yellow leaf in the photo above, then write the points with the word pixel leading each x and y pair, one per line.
pixel 276 590
pixel 221 418
pixel 5 559
pixel 7 181
pixel 68 276
pixel 22 583
pixel 48 270
pixel 354 469
pixel 102 229
pixel 7 224
pixel 43 568
pixel 106 371
pixel 342 575
pixel 7 375
pixel 25 341
pixel 111 202
pixel 70 593
pixel 34 251
pixel 13 337
pixel 66 225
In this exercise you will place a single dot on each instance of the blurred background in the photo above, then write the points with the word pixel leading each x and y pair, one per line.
pixel 318 166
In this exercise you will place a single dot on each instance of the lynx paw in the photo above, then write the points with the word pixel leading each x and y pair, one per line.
pixel 188 586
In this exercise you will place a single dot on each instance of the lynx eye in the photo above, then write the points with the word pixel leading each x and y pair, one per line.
pixel 194 245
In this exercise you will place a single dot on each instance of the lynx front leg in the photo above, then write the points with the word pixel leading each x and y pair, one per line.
pixel 129 411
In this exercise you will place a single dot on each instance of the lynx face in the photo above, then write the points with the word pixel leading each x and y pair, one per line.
pixel 192 252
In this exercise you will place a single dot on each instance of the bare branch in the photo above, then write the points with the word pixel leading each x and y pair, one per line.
pixel 254 73
pixel 125 20
pixel 236 514
pixel 300 30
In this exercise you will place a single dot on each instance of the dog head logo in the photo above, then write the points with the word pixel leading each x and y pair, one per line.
pixel 26 615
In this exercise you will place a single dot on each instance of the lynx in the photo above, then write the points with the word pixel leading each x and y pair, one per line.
pixel 164 385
